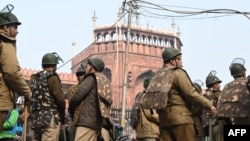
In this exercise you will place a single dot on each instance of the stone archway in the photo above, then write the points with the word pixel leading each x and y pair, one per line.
pixel 140 79
pixel 107 73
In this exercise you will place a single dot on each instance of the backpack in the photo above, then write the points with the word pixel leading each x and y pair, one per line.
pixel 135 111
pixel 157 93
pixel 234 100
pixel 43 103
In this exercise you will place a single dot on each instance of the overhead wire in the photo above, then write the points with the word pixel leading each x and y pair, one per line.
pixel 141 4
pixel 214 11
pixel 167 15
pixel 160 16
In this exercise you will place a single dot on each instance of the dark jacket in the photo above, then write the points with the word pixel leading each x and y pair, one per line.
pixel 90 115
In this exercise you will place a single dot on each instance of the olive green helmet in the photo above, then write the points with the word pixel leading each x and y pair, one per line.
pixel 97 63
pixel 147 81
pixel 198 84
pixel 212 78
pixel 51 59
pixel 6 17
pixel 170 53
pixel 80 71
pixel 237 67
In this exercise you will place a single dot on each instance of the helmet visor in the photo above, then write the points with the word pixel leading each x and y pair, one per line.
pixel 212 73
pixel 237 61
pixel 7 9
pixel 198 82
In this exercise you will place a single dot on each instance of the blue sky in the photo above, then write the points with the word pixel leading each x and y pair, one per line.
pixel 208 43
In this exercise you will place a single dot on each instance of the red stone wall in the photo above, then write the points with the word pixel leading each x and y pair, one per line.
pixel 144 58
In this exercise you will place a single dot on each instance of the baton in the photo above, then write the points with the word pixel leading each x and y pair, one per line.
pixel 210 128
pixel 25 120
pixel 64 134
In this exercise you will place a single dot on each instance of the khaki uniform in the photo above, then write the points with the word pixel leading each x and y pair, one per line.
pixel 105 134
pixel 148 123
pixel 72 128
pixel 107 127
pixel 71 91
pixel 176 120
pixel 11 79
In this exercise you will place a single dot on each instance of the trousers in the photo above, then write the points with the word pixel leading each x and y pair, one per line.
pixel 182 132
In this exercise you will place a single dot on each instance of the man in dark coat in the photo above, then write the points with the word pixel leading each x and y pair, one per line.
pixel 94 97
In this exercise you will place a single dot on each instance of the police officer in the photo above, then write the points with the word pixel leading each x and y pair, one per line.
pixel 234 101
pixel 11 79
pixel 147 127
pixel 176 122
pixel 94 94
pixel 197 114
pixel 107 130
pixel 71 91
pixel 212 93
pixel 80 77
pixel 48 106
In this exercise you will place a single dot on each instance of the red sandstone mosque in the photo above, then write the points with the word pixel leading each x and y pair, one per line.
pixel 109 43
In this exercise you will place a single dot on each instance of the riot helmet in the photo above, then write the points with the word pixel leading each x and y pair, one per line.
pixel 80 71
pixel 198 84
pixel 6 17
pixel 237 67
pixel 147 81
pixel 170 53
pixel 97 63
pixel 51 59
pixel 212 78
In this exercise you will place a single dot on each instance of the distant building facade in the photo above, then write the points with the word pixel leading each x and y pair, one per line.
pixel 67 79
pixel 144 56
pixel 109 44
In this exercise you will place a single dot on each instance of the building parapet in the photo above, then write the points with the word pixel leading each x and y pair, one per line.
pixel 66 78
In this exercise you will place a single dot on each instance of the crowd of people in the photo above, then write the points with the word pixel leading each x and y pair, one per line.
pixel 184 111
pixel 171 107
